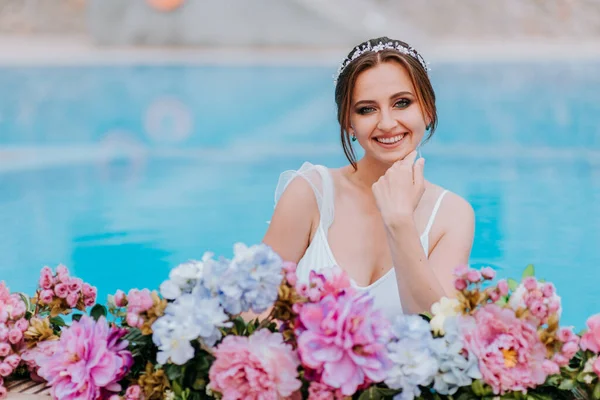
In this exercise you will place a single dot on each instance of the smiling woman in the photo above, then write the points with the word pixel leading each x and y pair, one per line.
pixel 397 235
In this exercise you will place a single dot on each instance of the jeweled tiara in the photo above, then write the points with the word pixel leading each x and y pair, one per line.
pixel 360 50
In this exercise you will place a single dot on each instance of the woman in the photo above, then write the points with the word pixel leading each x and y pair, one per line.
pixel 394 233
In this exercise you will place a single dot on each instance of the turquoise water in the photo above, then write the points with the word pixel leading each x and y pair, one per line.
pixel 123 172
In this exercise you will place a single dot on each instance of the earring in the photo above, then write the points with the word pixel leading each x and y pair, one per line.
pixel 428 127
pixel 353 138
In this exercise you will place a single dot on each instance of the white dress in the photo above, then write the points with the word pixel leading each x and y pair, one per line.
pixel 318 255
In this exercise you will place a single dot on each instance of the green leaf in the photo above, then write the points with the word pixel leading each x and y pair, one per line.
pixel 98 311
pixel 239 325
pixel 176 388
pixel 529 271
pixel 173 371
pixel 567 384
pixel 512 284
pixel 57 321
pixel 596 392
pixel 370 394
pixel 77 317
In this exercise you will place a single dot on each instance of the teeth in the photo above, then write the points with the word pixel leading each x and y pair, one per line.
pixel 394 139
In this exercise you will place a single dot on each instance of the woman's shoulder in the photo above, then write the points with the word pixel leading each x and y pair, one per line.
pixel 452 207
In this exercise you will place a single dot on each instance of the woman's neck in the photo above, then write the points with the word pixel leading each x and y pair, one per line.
pixel 368 172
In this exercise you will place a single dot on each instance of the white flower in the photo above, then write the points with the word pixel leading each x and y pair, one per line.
pixel 446 307
pixel 189 318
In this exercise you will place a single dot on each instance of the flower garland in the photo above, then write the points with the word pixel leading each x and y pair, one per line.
pixel 316 339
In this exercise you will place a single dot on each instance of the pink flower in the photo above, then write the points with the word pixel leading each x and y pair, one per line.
pixel 46 296
pixel 133 392
pixel 538 298
pixel 509 350
pixel 46 278
pixel 473 276
pixel 289 269
pixel 460 284
pixel 5 369
pixel 488 273
pixel 319 391
pixel 72 299
pixel 22 324
pixel 46 348
pixel 62 273
pixel 75 284
pixel 13 360
pixel 120 299
pixel 61 290
pixel 261 366
pixel 139 301
pixel 3 391
pixel 591 338
pixel 89 294
pixel 343 338
pixel 327 281
pixel 15 335
pixel 5 349
pixel 502 287
pixel 88 361
pixel 550 368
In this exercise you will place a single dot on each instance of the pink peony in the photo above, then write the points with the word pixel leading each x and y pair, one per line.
pixel 319 391
pixel 327 281
pixel 343 338
pixel 88 361
pixel 261 366
pixel 591 338
pixel 46 348
pixel 510 353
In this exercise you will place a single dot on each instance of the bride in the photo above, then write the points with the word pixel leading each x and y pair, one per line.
pixel 395 234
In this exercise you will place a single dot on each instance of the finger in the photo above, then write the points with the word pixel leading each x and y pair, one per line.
pixel 418 173
pixel 410 158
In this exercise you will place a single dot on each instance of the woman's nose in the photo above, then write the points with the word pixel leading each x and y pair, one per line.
pixel 386 122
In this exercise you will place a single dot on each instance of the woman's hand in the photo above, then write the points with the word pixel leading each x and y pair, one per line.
pixel 398 192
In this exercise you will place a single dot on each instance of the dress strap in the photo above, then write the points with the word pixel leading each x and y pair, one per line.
pixel 319 179
pixel 436 207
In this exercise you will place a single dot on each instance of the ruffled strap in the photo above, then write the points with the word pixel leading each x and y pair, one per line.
pixel 319 178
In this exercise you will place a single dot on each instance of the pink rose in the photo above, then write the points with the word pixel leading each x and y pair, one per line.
pixel 5 369
pixel 46 296
pixel 503 287
pixel 89 290
pixel 62 273
pixel 15 335
pixel 72 299
pixel 61 290
pixel 261 366
pixel 488 273
pixel 133 393
pixel 550 368
pixel 460 284
pixel 13 360
pixel 530 283
pixel 120 299
pixel 75 284
pixel 46 278
pixel 473 276
pixel 5 349
pixel 22 324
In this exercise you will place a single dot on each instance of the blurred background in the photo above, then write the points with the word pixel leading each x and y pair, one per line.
pixel 136 135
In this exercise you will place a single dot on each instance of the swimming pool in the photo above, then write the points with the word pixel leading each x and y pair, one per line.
pixel 123 172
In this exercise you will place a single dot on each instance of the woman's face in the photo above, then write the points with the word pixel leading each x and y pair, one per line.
pixel 385 115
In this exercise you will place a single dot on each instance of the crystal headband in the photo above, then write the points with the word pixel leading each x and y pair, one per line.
pixel 360 50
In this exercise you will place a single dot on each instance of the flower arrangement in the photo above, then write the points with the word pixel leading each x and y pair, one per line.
pixel 248 328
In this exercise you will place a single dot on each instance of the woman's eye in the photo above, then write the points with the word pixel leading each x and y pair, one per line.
pixel 365 110
pixel 402 103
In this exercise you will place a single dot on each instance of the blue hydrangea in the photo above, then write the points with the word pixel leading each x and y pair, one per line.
pixel 455 370
pixel 252 280
pixel 413 357
pixel 188 318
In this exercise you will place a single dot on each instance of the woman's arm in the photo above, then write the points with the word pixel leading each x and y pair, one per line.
pixel 290 227
pixel 422 281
